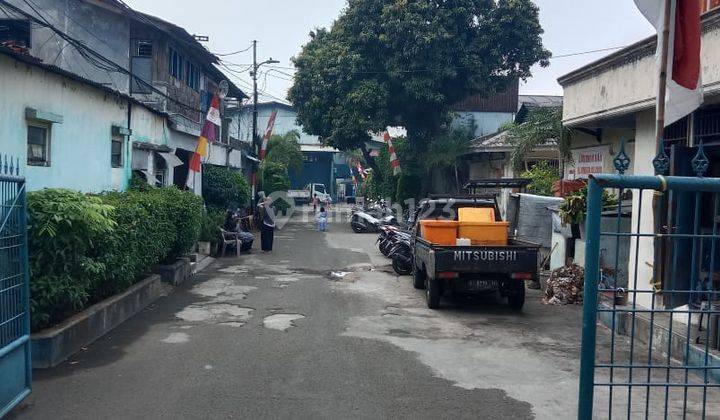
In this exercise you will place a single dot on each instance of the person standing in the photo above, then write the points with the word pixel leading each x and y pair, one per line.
pixel 322 220
pixel 267 226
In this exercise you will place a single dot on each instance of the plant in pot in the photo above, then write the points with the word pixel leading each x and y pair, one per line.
pixel 574 208
pixel 209 232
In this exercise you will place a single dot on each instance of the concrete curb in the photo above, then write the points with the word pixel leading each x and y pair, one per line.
pixel 202 264
pixel 55 345
pixel 175 274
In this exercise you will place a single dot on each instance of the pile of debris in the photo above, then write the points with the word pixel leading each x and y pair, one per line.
pixel 565 286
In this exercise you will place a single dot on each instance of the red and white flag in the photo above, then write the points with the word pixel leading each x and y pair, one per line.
pixel 394 161
pixel 268 133
pixel 360 169
pixel 684 78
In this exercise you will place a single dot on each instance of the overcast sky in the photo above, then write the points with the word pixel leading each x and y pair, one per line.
pixel 281 27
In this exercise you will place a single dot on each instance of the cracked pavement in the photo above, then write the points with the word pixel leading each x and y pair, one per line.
pixel 279 336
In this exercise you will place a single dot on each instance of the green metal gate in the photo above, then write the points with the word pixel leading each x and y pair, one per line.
pixel 656 353
pixel 15 362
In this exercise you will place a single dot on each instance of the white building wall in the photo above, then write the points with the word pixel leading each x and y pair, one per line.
pixel 644 153
pixel 629 84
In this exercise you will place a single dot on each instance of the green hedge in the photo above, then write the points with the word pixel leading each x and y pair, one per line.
pixel 85 248
pixel 225 188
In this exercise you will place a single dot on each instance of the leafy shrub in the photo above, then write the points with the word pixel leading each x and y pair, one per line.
pixel 275 178
pixel 143 236
pixel 65 228
pixel 225 188
pixel 543 177
pixel 212 221
pixel 574 208
pixel 185 211
pixel 85 248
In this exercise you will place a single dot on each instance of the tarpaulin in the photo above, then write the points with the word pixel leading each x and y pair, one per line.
pixel 533 219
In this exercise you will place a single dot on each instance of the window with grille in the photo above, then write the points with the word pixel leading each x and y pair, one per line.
pixel 706 125
pixel 676 134
pixel 192 75
pixel 144 49
pixel 38 145
pixel 176 63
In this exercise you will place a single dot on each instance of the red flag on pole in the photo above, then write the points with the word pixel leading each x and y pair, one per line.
pixel 684 78
pixel 394 161
pixel 268 133
pixel 360 169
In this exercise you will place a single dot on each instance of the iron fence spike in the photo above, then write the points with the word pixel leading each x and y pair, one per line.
pixel 661 163
pixel 700 162
pixel 622 160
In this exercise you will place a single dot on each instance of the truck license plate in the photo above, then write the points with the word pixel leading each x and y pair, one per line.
pixel 482 284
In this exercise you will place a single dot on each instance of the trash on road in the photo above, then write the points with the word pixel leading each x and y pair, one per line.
pixel 340 274
pixel 565 286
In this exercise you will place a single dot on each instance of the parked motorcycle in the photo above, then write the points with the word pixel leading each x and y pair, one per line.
pixel 386 239
pixel 402 255
pixel 362 222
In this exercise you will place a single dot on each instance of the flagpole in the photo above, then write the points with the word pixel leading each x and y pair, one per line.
pixel 663 40
pixel 661 159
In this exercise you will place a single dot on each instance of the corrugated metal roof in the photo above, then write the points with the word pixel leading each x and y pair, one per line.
pixel 501 142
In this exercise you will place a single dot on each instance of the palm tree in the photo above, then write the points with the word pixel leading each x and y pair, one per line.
pixel 285 149
pixel 542 126
pixel 445 151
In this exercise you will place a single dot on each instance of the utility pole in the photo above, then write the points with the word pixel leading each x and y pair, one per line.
pixel 255 100
pixel 255 139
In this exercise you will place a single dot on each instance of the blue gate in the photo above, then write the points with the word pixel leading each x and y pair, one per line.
pixel 657 352
pixel 15 362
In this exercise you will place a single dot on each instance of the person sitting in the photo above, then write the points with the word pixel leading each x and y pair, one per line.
pixel 322 220
pixel 233 223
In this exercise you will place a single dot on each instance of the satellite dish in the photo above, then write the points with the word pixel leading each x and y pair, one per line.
pixel 224 89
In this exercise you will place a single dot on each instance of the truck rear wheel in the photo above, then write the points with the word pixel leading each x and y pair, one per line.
pixel 418 277
pixel 432 293
pixel 517 296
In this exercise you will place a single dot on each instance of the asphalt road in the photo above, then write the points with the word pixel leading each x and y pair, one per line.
pixel 279 336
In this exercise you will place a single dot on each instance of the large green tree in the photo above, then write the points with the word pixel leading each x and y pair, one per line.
pixel 405 62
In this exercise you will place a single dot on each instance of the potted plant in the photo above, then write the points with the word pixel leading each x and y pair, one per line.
pixel 574 208
pixel 209 231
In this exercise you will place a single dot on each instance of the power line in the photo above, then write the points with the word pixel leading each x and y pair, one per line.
pixel 234 52
pixel 588 52
pixel 424 70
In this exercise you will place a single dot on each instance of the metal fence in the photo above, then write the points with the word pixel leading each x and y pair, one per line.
pixel 15 362
pixel 660 357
